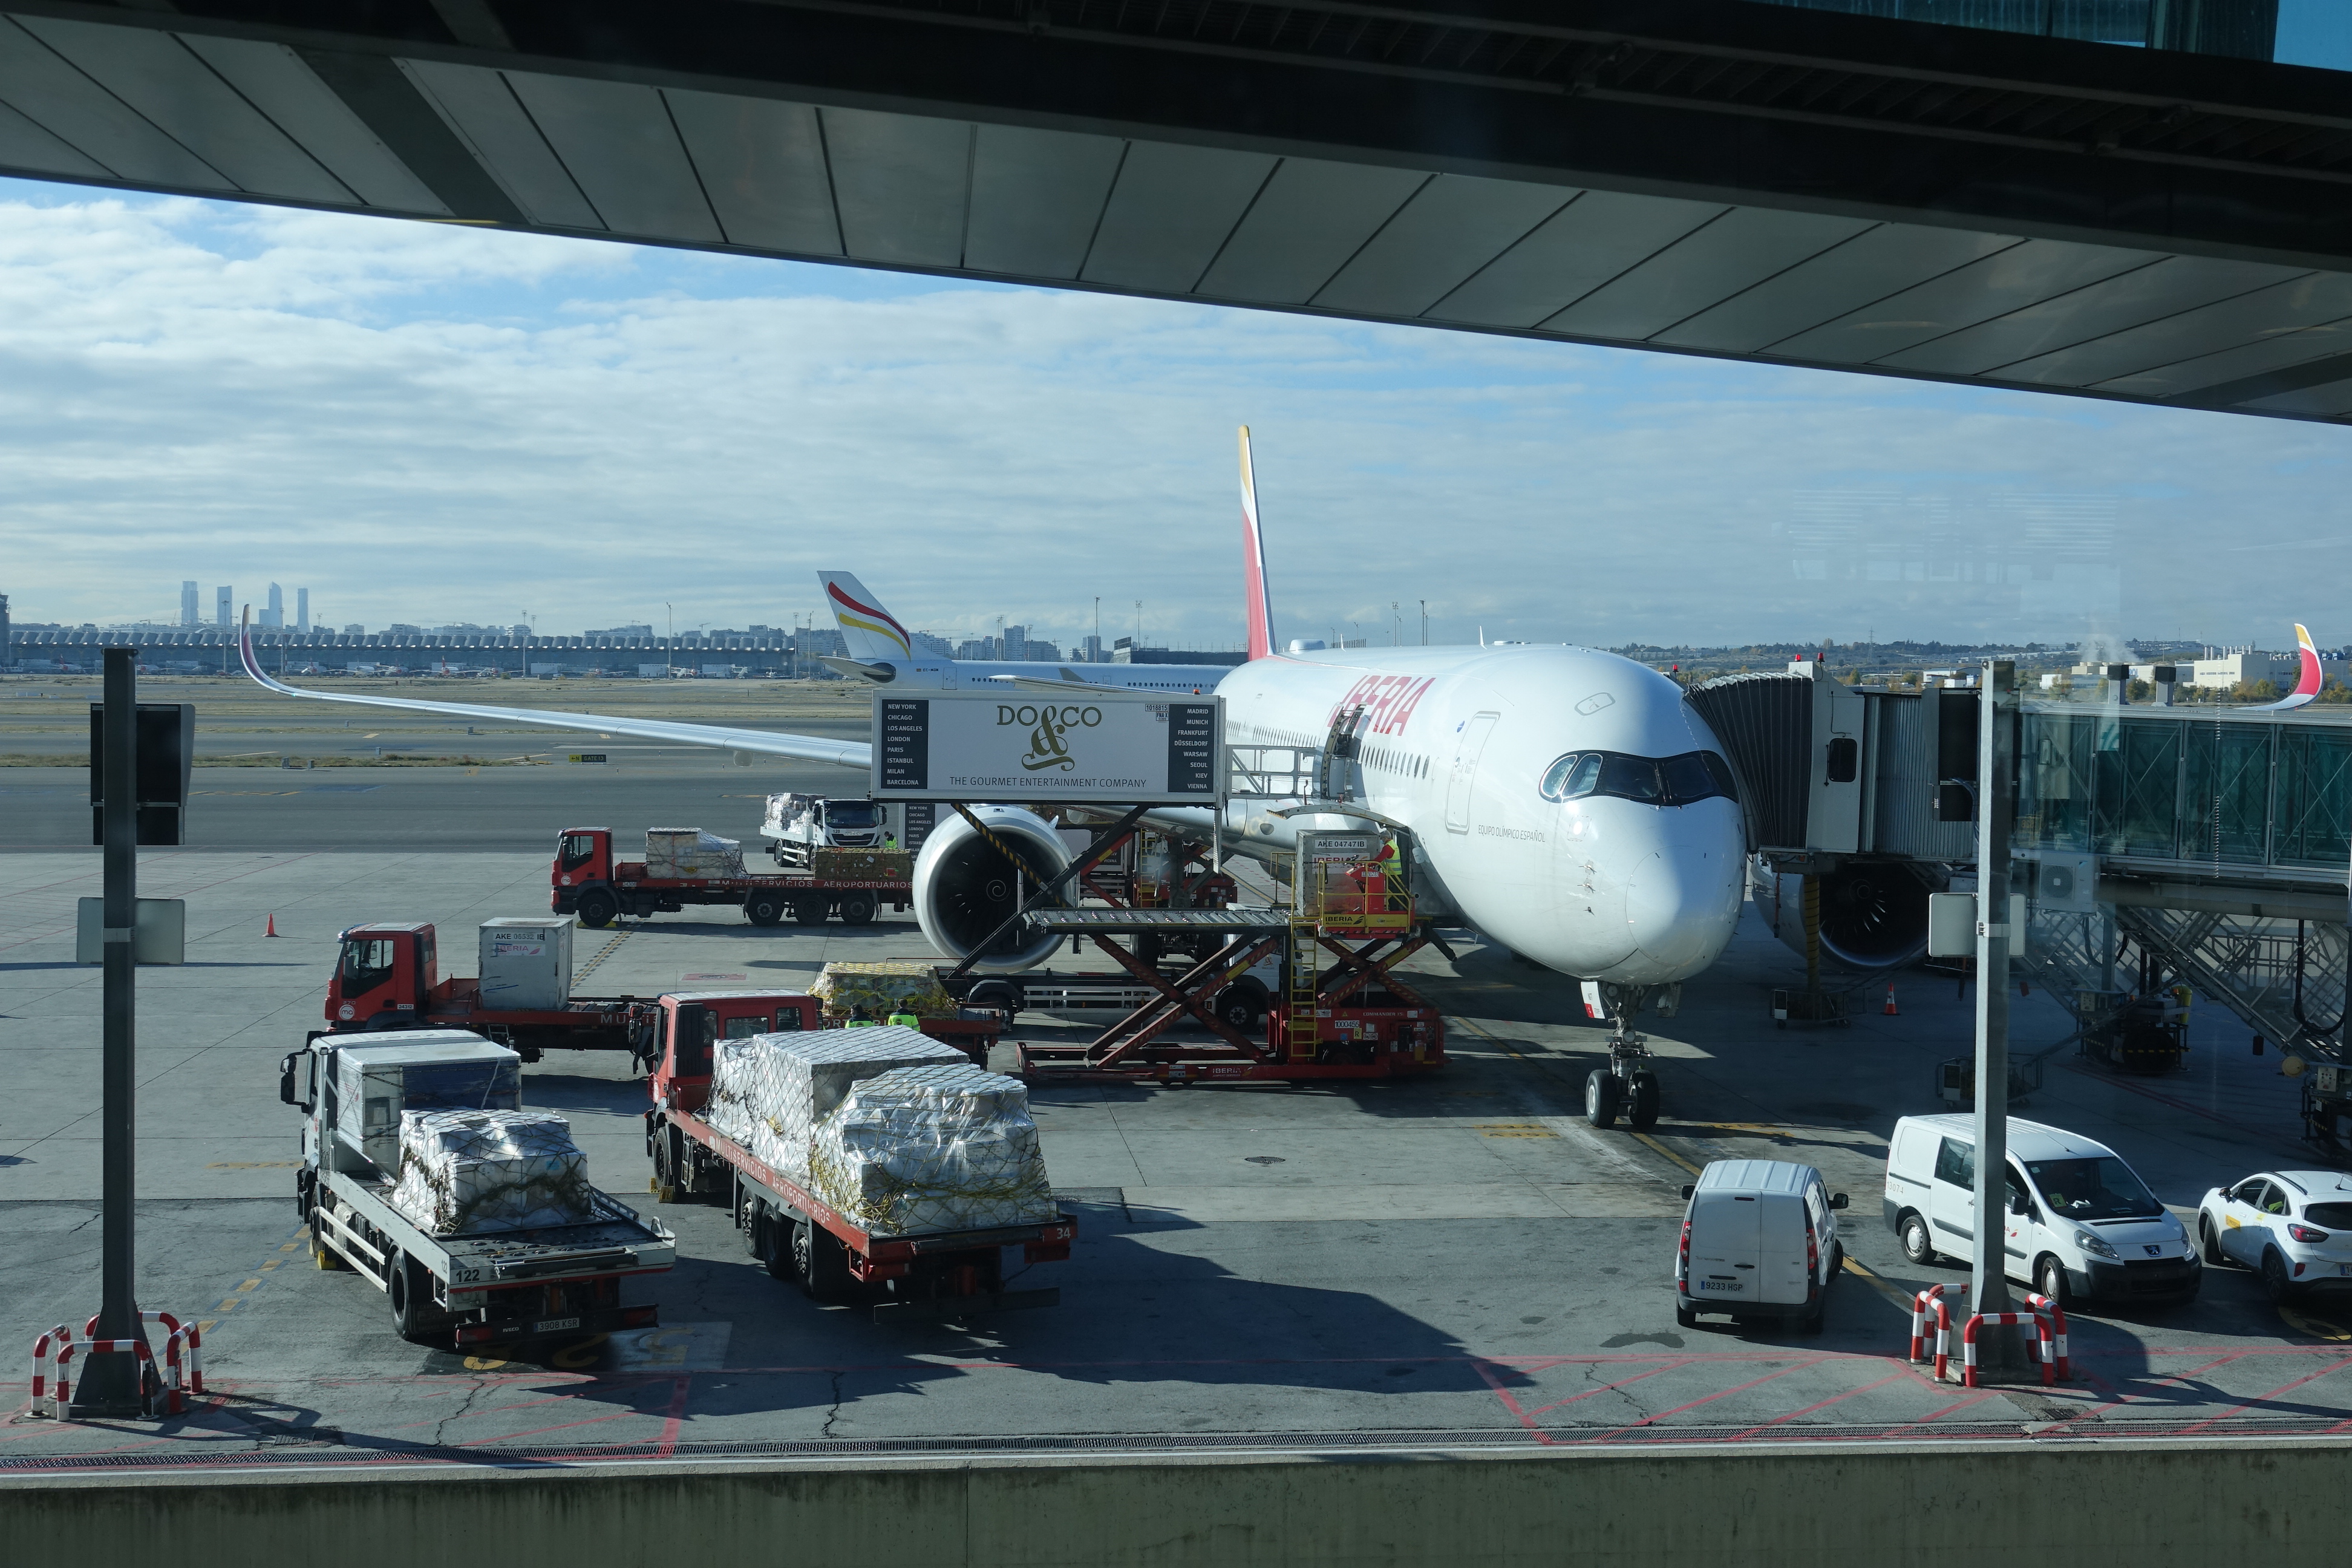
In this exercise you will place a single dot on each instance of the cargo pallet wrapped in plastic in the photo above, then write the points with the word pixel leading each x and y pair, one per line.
pixel 922 1150
pixel 881 988
pixel 687 852
pixel 768 1092
pixel 468 1171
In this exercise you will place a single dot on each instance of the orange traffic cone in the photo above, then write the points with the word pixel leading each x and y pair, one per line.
pixel 1889 1009
pixel 273 927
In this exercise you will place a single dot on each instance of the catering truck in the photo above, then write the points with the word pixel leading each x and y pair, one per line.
pixel 588 879
pixel 388 977
pixel 489 1284
pixel 797 1236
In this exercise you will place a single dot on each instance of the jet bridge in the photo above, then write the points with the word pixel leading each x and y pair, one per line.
pixel 2154 846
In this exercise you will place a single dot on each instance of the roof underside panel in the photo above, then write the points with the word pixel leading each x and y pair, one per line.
pixel 1952 212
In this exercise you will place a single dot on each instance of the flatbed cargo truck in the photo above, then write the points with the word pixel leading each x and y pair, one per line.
pixel 588 879
pixel 798 1237
pixel 387 977
pixel 484 1288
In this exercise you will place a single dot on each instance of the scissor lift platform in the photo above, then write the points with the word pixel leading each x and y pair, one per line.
pixel 1338 1035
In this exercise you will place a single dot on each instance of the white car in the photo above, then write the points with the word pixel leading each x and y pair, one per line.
pixel 2293 1227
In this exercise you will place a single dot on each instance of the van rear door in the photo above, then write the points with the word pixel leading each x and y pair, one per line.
pixel 1725 1230
pixel 1782 1224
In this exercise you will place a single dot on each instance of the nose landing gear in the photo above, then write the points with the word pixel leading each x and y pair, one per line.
pixel 1628 1086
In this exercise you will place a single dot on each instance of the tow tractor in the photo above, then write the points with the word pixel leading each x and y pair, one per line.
pixel 795 1234
pixel 586 880
pixel 467 1289
pixel 386 977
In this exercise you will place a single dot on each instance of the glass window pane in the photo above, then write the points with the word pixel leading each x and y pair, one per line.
pixel 1585 778
pixel 2314 801
pixel 1687 778
pixel 1634 778
pixel 2054 781
pixel 2139 781
pixel 2225 804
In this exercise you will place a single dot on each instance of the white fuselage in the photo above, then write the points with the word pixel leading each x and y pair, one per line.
pixel 983 675
pixel 1455 745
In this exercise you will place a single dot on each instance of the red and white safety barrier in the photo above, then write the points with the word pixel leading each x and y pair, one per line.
pixel 2041 1322
pixel 2057 1316
pixel 54 1352
pixel 53 1349
pixel 1933 1296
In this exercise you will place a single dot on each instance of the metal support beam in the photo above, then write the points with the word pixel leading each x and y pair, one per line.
pixel 111 1384
pixel 1996 764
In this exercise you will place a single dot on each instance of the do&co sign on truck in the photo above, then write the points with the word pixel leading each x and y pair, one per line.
pixel 1009 748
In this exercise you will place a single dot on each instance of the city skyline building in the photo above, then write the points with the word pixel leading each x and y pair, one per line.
pixel 188 606
pixel 222 614
pixel 302 609
pixel 273 615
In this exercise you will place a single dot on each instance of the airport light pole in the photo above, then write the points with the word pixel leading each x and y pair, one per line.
pixel 109 1384
pixel 1999 1350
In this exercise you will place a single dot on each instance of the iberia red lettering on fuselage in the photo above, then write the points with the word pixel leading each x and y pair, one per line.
pixel 1387 701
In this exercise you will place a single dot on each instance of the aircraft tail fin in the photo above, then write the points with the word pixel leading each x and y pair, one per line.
pixel 871 633
pixel 2307 677
pixel 1260 613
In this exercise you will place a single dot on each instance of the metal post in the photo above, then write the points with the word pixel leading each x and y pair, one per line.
pixel 110 1385
pixel 1988 1281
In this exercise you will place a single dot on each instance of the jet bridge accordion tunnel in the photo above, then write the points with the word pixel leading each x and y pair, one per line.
pixel 1843 785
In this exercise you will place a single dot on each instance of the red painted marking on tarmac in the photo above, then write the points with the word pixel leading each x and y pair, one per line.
pixel 2266 1398
pixel 1935 1417
pixel 1709 1399
pixel 1818 1405
pixel 1606 1387
pixel 679 1391
pixel 1512 1405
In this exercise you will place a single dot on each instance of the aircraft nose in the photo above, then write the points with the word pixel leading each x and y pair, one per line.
pixel 1682 902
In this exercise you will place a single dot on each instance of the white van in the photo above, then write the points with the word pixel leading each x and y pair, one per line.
pixel 1759 1240
pixel 2081 1222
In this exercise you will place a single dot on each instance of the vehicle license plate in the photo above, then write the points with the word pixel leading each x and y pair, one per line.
pixel 2344 1270
pixel 1728 1285
pixel 555 1325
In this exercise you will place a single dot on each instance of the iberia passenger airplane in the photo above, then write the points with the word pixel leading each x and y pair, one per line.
pixel 1567 803
pixel 2306 685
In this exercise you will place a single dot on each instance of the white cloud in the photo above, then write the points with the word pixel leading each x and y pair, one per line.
pixel 430 423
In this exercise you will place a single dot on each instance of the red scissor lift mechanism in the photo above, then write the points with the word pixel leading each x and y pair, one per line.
pixel 1349 924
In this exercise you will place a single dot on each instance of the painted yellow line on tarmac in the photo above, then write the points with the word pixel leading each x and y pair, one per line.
pixel 1878 1282
pixel 1669 1153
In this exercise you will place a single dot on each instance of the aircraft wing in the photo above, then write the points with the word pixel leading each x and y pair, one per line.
pixel 762 743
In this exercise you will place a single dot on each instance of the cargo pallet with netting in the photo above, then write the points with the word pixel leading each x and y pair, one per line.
pixel 1339 1012
pixel 953 1274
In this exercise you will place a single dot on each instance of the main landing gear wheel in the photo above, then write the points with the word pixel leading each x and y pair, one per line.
pixel 1643 1114
pixel 1600 1092
pixel 597 907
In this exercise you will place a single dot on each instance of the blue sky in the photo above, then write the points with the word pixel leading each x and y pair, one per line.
pixel 430 423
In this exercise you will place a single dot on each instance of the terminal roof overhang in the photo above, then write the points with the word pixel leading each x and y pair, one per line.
pixel 1700 177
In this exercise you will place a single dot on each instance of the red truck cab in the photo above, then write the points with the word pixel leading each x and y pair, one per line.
pixel 693 1022
pixel 382 969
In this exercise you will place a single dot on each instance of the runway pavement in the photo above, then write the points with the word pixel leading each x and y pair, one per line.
pixel 1455 1260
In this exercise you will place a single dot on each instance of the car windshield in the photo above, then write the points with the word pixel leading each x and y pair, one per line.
pixel 852 813
pixel 2102 1188
pixel 1670 781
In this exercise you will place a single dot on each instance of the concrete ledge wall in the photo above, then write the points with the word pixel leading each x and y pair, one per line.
pixel 2273 1502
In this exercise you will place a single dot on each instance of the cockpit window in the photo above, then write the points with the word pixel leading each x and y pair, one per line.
pixel 1673 781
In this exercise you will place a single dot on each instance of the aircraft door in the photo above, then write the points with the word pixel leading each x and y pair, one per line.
pixel 1467 748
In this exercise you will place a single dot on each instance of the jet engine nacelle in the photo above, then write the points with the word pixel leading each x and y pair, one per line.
pixel 1874 913
pixel 965 885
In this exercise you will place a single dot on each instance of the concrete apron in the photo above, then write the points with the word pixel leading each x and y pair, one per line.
pixel 1805 1505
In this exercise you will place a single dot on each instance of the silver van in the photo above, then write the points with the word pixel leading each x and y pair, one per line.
pixel 1759 1241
